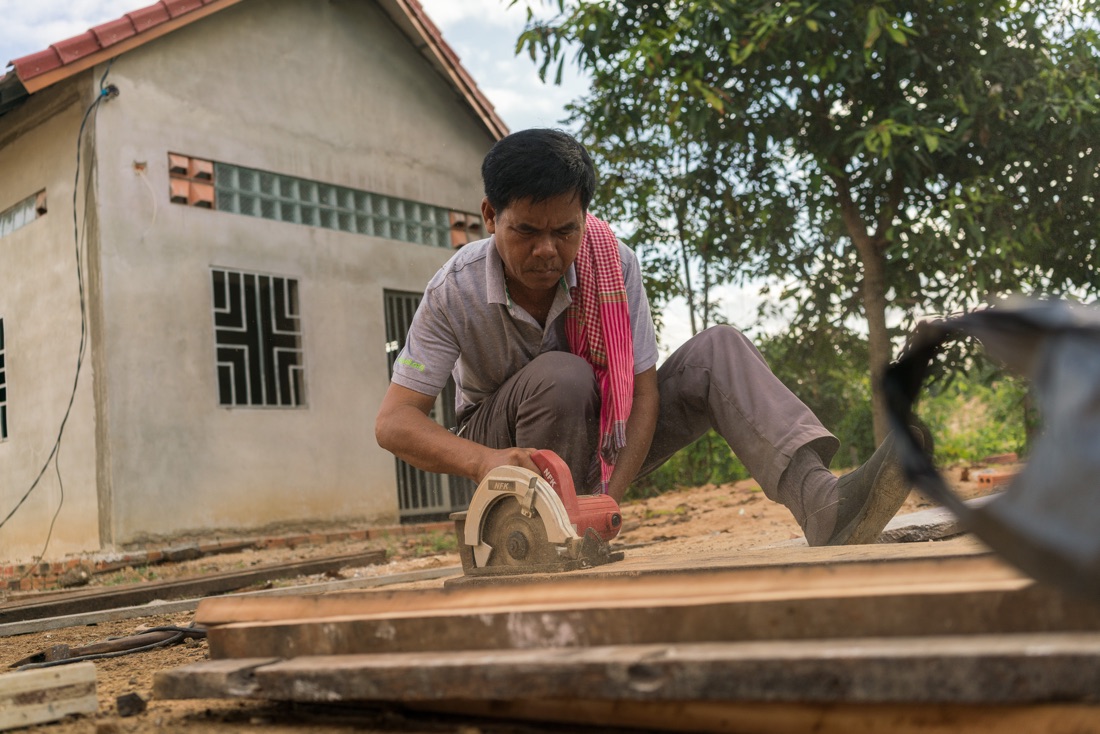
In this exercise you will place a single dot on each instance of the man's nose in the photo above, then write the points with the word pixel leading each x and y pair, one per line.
pixel 545 246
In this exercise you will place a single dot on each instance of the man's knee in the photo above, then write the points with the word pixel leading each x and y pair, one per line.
pixel 564 378
pixel 721 340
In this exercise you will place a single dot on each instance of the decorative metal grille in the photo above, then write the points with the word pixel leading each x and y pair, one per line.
pixel 257 335
pixel 298 200
pixel 20 215
pixel 3 387
pixel 422 493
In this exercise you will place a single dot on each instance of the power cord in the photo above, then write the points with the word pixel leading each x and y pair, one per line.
pixel 106 92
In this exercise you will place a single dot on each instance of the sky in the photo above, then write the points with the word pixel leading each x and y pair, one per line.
pixel 482 32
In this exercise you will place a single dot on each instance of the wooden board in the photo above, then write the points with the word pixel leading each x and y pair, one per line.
pixel 784 718
pixel 188 605
pixel 48 694
pixel 971 594
pixel 981 669
pixel 88 600
pixel 786 570
pixel 865 612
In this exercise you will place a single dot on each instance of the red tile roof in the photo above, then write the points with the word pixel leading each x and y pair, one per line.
pixel 105 41
pixel 102 40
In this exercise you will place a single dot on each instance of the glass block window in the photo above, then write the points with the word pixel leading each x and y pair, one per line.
pixel 258 340
pixel 3 387
pixel 301 201
pixel 23 213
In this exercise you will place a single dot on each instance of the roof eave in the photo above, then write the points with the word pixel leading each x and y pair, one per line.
pixel 12 93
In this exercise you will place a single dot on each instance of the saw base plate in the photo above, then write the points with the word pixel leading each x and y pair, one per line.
pixel 598 555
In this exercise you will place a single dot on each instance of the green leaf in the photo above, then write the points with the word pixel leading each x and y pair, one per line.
pixel 931 142
pixel 897 35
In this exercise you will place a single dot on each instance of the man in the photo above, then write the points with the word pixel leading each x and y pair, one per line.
pixel 546 329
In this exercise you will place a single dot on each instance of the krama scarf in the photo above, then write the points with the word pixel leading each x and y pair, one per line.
pixel 597 325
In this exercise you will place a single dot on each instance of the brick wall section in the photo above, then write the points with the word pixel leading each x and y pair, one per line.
pixel 45 575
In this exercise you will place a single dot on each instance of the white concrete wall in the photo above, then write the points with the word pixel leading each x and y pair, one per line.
pixel 320 90
pixel 40 306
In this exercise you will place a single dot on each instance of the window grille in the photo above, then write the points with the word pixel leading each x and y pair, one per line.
pixel 301 201
pixel 258 340
pixel 23 213
pixel 3 387
pixel 422 493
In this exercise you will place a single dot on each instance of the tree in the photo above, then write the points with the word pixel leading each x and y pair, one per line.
pixel 675 195
pixel 930 153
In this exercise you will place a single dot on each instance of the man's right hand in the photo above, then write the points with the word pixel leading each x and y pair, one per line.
pixel 505 457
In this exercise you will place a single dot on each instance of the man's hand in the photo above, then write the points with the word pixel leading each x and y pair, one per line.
pixel 506 457
pixel 404 428
pixel 639 433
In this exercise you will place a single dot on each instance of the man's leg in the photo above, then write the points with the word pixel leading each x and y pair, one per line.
pixel 551 403
pixel 719 380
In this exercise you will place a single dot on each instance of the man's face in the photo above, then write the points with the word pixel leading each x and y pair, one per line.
pixel 537 241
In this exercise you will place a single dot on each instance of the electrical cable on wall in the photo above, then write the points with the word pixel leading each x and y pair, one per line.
pixel 106 91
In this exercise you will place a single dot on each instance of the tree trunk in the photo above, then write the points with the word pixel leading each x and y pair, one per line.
pixel 873 292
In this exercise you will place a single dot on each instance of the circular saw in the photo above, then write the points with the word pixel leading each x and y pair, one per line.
pixel 520 521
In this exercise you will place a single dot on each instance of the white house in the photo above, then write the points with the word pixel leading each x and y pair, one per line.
pixel 264 188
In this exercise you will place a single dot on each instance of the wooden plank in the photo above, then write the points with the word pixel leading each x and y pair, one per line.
pixel 47 694
pixel 210 679
pixel 788 571
pixel 187 605
pixel 218 583
pixel 784 718
pixel 982 669
pixel 998 607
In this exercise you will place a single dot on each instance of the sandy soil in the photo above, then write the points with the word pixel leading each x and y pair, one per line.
pixel 710 519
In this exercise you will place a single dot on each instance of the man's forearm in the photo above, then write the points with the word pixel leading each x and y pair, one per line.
pixel 404 429
pixel 414 437
pixel 639 434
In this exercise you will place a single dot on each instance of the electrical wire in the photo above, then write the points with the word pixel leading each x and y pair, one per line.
pixel 105 92
pixel 182 633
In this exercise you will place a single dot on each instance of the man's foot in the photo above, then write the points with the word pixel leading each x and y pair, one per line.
pixel 868 498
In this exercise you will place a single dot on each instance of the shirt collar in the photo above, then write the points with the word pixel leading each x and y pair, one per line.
pixel 495 290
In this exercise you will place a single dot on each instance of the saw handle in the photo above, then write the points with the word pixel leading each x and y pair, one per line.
pixel 597 511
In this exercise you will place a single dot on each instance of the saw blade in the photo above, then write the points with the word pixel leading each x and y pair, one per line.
pixel 516 539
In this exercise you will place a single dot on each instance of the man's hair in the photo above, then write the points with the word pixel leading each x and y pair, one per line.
pixel 537 164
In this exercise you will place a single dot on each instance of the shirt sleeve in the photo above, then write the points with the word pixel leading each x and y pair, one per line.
pixel 641 322
pixel 431 347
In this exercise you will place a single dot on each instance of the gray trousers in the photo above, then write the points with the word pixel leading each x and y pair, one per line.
pixel 717 379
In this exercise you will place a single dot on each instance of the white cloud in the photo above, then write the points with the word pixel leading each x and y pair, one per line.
pixel 29 27
pixel 483 12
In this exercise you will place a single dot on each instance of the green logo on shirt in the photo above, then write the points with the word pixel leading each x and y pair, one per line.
pixel 411 363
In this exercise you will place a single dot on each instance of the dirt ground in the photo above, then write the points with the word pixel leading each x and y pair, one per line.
pixel 709 519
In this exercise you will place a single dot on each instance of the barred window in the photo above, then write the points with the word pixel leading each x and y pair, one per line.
pixel 258 340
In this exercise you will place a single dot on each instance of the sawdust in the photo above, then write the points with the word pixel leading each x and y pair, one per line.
pixel 701 520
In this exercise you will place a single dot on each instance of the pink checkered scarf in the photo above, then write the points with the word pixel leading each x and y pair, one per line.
pixel 598 327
